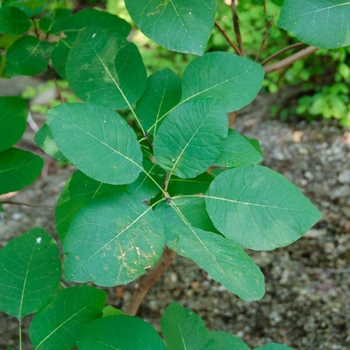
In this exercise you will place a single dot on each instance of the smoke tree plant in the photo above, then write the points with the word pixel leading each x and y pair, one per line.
pixel 178 181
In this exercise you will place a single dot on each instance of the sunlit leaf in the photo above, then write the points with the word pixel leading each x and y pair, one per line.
pixel 178 25
pixel 191 137
pixel 233 80
pixel 112 240
pixel 321 23
pixel 259 208
pixel 30 271
pixel 58 324
pixel 104 68
pixel 98 141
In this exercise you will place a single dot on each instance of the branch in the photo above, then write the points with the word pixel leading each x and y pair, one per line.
pixel 148 280
pixel 232 44
pixel 267 33
pixel 28 205
pixel 290 60
pixel 58 90
pixel 290 47
pixel 236 27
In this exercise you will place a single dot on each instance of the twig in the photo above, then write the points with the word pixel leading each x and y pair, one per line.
pixel 267 33
pixel 147 281
pixel 290 60
pixel 290 47
pixel 32 123
pixel 28 205
pixel 58 90
pixel 232 44
pixel 236 27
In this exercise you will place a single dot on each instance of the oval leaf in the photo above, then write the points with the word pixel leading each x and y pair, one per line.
pixel 237 151
pixel 13 120
pixel 233 80
pixel 78 191
pixel 18 169
pixel 120 333
pixel 103 67
pixel 259 208
pixel 321 23
pixel 199 184
pixel 190 138
pixel 112 240
pixel 178 25
pixel 30 271
pixel 27 56
pixel 97 141
pixel 226 341
pixel 59 323
pixel 13 20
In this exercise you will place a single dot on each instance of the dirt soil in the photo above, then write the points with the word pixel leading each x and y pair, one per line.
pixel 307 300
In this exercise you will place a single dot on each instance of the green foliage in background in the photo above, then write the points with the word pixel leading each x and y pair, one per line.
pixel 157 168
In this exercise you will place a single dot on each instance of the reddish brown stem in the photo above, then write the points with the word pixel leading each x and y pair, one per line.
pixel 58 90
pixel 148 280
pixel 28 205
pixel 267 33
pixel 236 27
pixel 290 60
pixel 232 44
pixel 290 47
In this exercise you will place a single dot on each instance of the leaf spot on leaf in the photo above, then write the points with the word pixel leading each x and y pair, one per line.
pixel 93 35
pixel 38 240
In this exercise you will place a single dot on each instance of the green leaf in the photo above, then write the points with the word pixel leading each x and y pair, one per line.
pixel 259 208
pixel 30 7
pixel 13 120
pixel 75 23
pixel 44 140
pixel 237 151
pixel 30 271
pixel 53 21
pixel 321 23
pixel 226 341
pixel 27 56
pixel 183 329
pixel 163 92
pixel 223 259
pixel 196 185
pixel 97 141
pixel 273 346
pixel 78 191
pixel 119 333
pixel 232 79
pixel 144 188
pixel 112 240
pixel 59 323
pixel 191 137
pixel 111 311
pixel 1 208
pixel 13 20
pixel 178 25
pixel 18 169
pixel 103 67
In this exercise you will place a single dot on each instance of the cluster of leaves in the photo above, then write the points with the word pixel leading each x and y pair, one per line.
pixel 181 178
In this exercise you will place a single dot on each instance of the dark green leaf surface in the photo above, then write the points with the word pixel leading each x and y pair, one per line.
pixel 120 333
pixel 52 22
pixel 237 151
pixel 103 67
pixel 97 141
pixel 144 188
pixel 44 140
pixel 30 7
pixel 1 208
pixel 13 120
pixel 259 208
pixel 224 260
pixel 191 137
pixel 79 190
pixel 178 25
pixel 27 56
pixel 163 92
pixel 226 341
pixel 232 79
pixel 58 324
pixel 72 26
pixel 183 329
pixel 321 23
pixel 112 240
pixel 196 185
pixel 13 20
pixel 30 271
pixel 18 168
pixel 273 346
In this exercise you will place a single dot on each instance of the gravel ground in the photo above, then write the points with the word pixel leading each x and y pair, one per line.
pixel 307 300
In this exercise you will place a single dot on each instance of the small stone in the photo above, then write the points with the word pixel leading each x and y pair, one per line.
pixel 314 233
pixel 346 211
pixel 329 247
pixel 344 177
pixel 303 151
